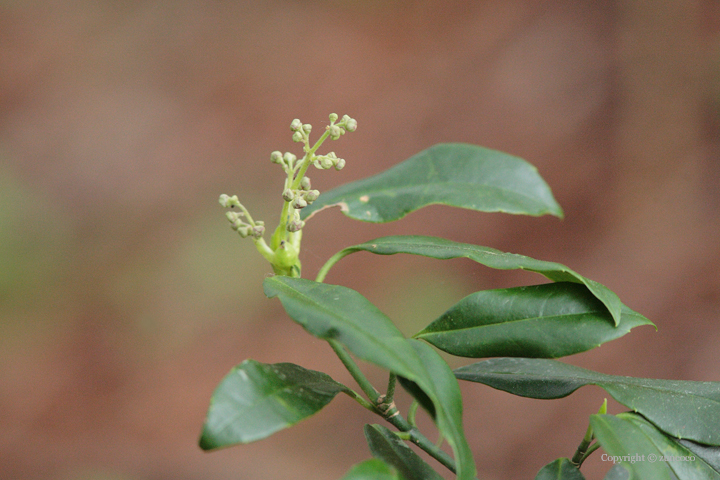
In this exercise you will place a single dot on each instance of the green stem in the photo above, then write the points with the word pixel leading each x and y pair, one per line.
pixel 322 273
pixel 423 442
pixel 363 403
pixel 390 395
pixel 590 450
pixel 391 414
pixel 354 370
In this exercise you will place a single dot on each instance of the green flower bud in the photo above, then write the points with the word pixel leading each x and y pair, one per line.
pixel 340 164
pixel 335 131
pixel 351 125
pixel 244 230
pixel 276 157
pixel 297 137
pixel 311 196
pixel 232 217
pixel 299 203
pixel 307 128
pixel 326 162
pixel 333 117
pixel 295 225
pixel 295 125
pixel 289 158
pixel 305 183
pixel 260 223
pixel 257 231
pixel 228 201
pixel 288 195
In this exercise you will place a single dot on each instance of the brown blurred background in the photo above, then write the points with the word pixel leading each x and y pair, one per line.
pixel 125 297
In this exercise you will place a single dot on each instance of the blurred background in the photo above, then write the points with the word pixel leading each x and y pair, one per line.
pixel 125 297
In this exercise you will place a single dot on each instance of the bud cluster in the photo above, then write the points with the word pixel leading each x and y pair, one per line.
pixel 338 129
pixel 245 229
pixel 287 160
pixel 325 162
pixel 301 131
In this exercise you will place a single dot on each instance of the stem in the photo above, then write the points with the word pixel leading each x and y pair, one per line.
pixel 391 414
pixel 354 370
pixel 389 396
pixel 423 442
pixel 331 262
pixel 592 448
pixel 582 449
pixel 363 403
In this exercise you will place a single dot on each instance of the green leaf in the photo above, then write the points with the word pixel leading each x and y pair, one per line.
pixel 385 445
pixel 646 452
pixel 342 314
pixel 256 400
pixel 373 469
pixel 617 473
pixel 454 174
pixel 560 469
pixel 683 409
pixel 624 440
pixel 548 321
pixel 443 249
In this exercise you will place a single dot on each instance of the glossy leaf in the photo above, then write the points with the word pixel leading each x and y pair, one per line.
pixel 560 469
pixel 372 470
pixel 385 445
pixel 548 321
pixel 682 409
pixel 443 249
pixel 617 473
pixel 256 400
pixel 454 174
pixel 342 314
pixel 646 452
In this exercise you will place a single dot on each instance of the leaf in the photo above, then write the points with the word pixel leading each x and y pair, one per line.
pixel 386 446
pixel 560 469
pixel 453 174
pixel 548 321
pixel 617 473
pixel 443 249
pixel 256 400
pixel 342 314
pixel 372 470
pixel 624 440
pixel 646 452
pixel 683 409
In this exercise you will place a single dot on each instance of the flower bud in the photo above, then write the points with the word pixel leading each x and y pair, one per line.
pixel 311 196
pixel 307 128
pixel 289 157
pixel 244 230
pixel 295 125
pixel 326 163
pixel 305 183
pixel 288 195
pixel 335 131
pixel 276 157
pixel 299 203
pixel 340 164
pixel 257 231
pixel 295 225
pixel 333 117
pixel 351 125
pixel 232 217
pixel 297 137
pixel 228 201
